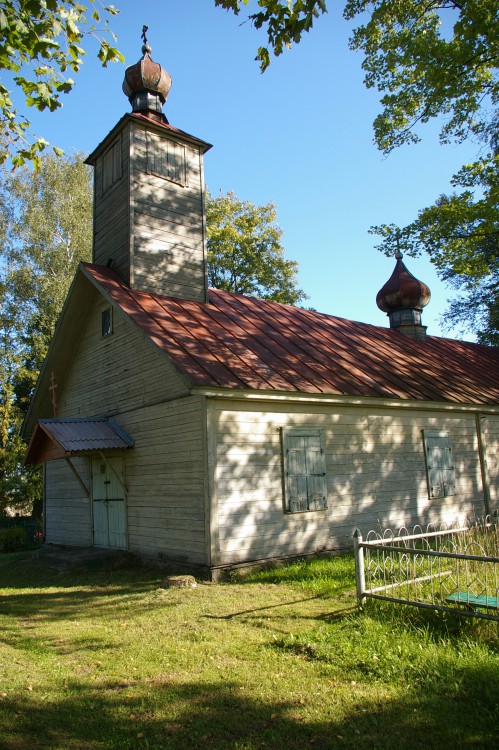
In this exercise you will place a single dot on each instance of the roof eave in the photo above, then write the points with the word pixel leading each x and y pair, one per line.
pixel 299 397
pixel 130 117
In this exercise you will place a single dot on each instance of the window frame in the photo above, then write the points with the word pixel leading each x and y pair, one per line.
pixel 313 475
pixel 111 166
pixel 108 331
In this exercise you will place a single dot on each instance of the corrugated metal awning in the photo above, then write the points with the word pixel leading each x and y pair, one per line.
pixel 54 439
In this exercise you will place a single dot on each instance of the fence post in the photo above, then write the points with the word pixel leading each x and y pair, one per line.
pixel 360 581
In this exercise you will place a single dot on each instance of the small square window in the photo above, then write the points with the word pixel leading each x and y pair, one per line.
pixel 107 322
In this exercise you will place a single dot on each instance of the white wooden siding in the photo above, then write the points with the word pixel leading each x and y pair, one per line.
pixel 124 376
pixel 375 468
pixel 166 481
pixel 68 513
pixel 168 243
pixel 151 226
pixel 116 373
pixel 112 211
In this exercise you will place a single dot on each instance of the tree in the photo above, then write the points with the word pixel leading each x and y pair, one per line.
pixel 460 234
pixel 432 59
pixel 46 229
pixel 40 44
pixel 440 59
pixel 245 254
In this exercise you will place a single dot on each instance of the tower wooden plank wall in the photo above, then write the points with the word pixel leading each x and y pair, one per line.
pixel 149 218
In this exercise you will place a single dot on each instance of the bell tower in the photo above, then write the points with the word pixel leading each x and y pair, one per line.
pixel 149 217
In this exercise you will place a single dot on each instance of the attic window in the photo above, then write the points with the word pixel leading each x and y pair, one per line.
pixel 304 470
pixel 440 470
pixel 107 322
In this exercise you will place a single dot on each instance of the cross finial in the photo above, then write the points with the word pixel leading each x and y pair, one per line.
pixel 53 388
pixel 398 253
pixel 146 48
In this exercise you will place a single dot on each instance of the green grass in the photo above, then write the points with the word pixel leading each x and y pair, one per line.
pixel 110 660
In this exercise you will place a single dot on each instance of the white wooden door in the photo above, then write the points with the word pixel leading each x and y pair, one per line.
pixel 109 502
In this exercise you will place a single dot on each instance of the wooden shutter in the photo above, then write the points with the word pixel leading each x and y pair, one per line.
pixel 439 464
pixel 111 166
pixel 166 158
pixel 305 470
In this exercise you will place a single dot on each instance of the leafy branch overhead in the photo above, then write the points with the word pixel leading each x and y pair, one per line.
pixel 285 22
pixel 40 48
pixel 433 59
pixel 440 60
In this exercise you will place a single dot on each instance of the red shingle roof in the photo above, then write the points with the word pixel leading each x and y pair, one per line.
pixel 246 343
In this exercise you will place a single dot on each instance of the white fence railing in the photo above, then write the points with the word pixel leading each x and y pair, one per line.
pixel 454 569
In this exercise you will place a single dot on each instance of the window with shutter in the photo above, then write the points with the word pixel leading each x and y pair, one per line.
pixel 439 464
pixel 304 470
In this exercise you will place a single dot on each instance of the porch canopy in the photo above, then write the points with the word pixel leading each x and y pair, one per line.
pixel 54 439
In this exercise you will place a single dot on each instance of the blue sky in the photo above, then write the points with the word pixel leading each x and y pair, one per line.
pixel 299 135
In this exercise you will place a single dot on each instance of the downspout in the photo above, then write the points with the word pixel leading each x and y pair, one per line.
pixel 482 447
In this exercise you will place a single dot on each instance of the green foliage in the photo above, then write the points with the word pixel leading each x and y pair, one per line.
pixel 440 60
pixel 40 47
pixel 285 22
pixel 45 232
pixel 245 254
pixel 460 234
pixel 12 540
pixel 427 60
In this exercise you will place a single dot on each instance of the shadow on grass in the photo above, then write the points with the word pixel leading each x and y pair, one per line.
pixel 254 610
pixel 57 595
pixel 22 570
pixel 218 716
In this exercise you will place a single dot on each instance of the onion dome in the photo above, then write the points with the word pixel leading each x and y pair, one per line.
pixel 146 83
pixel 403 298
pixel 402 290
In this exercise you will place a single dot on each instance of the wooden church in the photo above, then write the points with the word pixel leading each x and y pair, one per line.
pixel 193 425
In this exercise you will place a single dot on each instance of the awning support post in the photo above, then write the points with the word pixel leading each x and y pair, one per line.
pixel 78 477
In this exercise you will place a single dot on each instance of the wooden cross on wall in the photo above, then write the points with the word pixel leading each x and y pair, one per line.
pixel 53 388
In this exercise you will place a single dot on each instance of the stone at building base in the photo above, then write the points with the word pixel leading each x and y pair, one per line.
pixel 179 582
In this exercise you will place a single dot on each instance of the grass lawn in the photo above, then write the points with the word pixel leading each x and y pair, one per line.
pixel 110 660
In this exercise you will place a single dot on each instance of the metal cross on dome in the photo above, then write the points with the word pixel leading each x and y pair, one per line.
pixel 398 252
pixel 146 49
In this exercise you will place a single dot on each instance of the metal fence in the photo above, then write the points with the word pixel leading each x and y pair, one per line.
pixel 448 569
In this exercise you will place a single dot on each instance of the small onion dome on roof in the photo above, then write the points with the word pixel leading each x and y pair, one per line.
pixel 146 83
pixel 402 291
